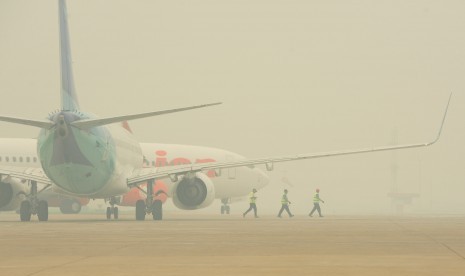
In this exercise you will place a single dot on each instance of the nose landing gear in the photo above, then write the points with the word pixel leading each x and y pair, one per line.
pixel 112 210
pixel 225 208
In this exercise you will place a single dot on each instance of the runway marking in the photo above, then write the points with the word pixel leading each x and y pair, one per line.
pixel 456 253
pixel 432 239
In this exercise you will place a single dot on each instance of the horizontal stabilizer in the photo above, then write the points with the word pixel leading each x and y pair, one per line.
pixel 90 123
pixel 27 122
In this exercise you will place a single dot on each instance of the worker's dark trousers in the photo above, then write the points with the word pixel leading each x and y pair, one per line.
pixel 316 207
pixel 252 207
pixel 285 207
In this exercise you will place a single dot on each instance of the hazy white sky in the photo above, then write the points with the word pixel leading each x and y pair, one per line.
pixel 294 76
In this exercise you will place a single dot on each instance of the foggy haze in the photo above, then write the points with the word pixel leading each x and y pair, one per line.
pixel 294 77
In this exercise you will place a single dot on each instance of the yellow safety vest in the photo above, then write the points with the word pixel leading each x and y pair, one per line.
pixel 316 198
pixel 284 200
pixel 252 197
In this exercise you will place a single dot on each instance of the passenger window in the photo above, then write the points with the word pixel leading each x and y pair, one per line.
pixel 28 159
pixel 7 159
pixel 14 159
pixel 21 159
pixel 0 159
pixel 34 159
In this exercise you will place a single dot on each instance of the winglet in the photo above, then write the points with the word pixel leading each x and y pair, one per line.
pixel 442 123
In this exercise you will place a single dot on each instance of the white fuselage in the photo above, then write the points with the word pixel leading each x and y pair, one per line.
pixel 130 155
pixel 18 152
pixel 230 183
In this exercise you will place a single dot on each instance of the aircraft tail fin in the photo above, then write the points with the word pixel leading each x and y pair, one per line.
pixel 69 99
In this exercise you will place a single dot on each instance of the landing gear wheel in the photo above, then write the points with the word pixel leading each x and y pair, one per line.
pixel 115 212
pixel 225 209
pixel 157 210
pixel 64 207
pixel 42 210
pixel 140 210
pixel 108 212
pixel 25 211
pixel 76 207
pixel 225 206
pixel 70 206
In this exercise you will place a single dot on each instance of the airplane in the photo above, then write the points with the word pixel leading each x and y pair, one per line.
pixel 16 152
pixel 82 155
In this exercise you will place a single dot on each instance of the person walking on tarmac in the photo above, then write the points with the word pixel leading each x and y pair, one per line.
pixel 316 203
pixel 285 205
pixel 253 206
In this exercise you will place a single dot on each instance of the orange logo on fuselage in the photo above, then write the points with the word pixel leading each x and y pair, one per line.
pixel 162 161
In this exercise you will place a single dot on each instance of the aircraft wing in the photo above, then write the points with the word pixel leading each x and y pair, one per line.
pixel 26 173
pixel 173 172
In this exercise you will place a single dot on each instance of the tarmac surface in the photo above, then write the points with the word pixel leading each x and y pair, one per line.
pixel 186 244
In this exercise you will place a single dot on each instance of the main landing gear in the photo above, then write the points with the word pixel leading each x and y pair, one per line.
pixel 112 210
pixel 33 206
pixel 149 205
pixel 225 208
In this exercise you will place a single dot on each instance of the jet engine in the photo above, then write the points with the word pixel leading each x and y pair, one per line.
pixel 194 192
pixel 12 192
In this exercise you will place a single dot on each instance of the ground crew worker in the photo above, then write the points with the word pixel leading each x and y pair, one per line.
pixel 316 203
pixel 285 205
pixel 253 206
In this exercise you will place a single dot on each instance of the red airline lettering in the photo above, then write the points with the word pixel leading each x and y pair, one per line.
pixel 162 161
